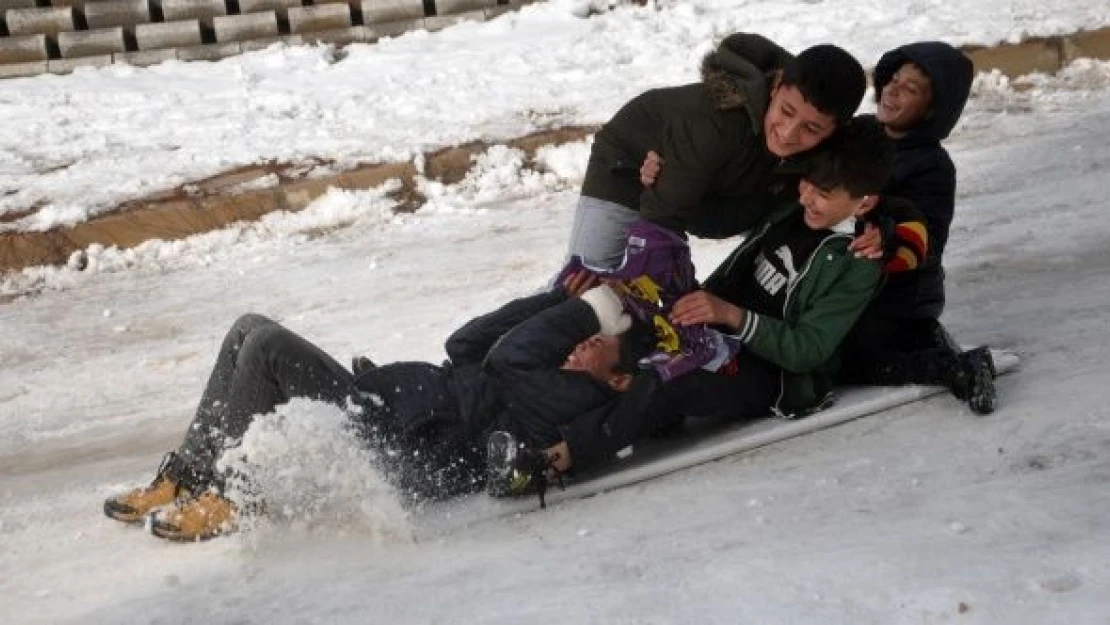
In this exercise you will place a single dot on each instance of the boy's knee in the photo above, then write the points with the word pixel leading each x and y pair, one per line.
pixel 250 322
pixel 266 338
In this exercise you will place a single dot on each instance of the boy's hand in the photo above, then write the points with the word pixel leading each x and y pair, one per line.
pixel 579 282
pixel 701 307
pixel 649 171
pixel 869 244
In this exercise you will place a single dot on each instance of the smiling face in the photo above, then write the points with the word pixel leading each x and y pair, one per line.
pixel 827 208
pixel 905 100
pixel 793 125
pixel 597 356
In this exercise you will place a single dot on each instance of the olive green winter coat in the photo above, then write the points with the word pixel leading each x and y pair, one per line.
pixel 710 134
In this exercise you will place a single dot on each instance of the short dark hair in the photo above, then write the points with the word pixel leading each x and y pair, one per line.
pixel 859 157
pixel 829 78
pixel 636 343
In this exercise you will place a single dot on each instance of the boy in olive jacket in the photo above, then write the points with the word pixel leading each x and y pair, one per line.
pixel 731 141
pixel 789 294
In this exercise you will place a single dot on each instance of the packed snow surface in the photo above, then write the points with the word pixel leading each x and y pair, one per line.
pixel 924 514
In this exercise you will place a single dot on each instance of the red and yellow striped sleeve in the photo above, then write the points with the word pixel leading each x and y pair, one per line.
pixel 913 241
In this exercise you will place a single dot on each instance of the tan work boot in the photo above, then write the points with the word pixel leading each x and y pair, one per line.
pixel 134 505
pixel 202 517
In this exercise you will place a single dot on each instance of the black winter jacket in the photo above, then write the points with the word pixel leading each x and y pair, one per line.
pixel 711 135
pixel 924 173
pixel 505 368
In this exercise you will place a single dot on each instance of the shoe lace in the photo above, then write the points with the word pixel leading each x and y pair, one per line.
pixel 541 473
pixel 168 461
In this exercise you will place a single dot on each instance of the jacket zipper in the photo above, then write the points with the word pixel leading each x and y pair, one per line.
pixel 786 310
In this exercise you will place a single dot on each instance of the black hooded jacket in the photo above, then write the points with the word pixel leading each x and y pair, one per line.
pixel 711 135
pixel 924 173
pixel 505 368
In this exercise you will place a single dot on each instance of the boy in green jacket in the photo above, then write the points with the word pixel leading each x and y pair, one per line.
pixel 789 294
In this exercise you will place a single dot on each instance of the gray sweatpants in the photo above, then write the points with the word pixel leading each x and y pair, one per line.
pixel 600 232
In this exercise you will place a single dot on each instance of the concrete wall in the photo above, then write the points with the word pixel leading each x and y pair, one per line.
pixel 336 21
pixel 91 42
pixel 167 35
pixel 244 27
pixel 39 20
pixel 22 49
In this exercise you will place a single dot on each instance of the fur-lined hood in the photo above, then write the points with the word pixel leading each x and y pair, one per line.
pixel 737 74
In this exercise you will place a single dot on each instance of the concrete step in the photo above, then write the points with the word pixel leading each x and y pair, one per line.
pixel 337 36
pixel 78 5
pixel 21 70
pixel 243 27
pixel 451 7
pixel 281 7
pixel 23 49
pixel 319 17
pixel 377 30
pixel 212 52
pixel 262 43
pixel 439 22
pixel 125 13
pixel 39 20
pixel 145 58
pixel 165 35
pixel 380 11
pixel 81 43
pixel 201 10
pixel 16 4
pixel 65 66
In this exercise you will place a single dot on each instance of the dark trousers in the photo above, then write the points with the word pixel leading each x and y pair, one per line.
pixel 260 365
pixel 650 405
pixel 891 351
pixel 405 407
pixel 411 416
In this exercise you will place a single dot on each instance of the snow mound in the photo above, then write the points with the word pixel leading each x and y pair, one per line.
pixel 313 476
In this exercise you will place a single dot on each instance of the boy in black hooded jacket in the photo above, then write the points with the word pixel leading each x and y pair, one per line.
pixel 920 89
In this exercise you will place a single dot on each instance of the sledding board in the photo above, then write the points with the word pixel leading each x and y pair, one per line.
pixel 697 443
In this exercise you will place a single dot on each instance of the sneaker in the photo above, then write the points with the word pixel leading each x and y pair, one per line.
pixel 202 517
pixel 513 469
pixel 134 505
pixel 978 366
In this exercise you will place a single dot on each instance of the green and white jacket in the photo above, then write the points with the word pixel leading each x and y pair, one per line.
pixel 824 300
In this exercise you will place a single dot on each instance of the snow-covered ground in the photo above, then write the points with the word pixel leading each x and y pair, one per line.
pixel 74 146
pixel 924 514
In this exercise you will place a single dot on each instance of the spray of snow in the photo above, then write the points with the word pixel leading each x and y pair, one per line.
pixel 309 473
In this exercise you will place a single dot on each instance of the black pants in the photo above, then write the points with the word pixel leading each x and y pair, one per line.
pixel 408 412
pixel 891 351
pixel 650 405
pixel 411 416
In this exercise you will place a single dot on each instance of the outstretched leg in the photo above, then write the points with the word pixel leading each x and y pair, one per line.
pixel 260 365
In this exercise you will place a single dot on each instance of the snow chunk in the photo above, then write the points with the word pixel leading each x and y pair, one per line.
pixel 312 474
